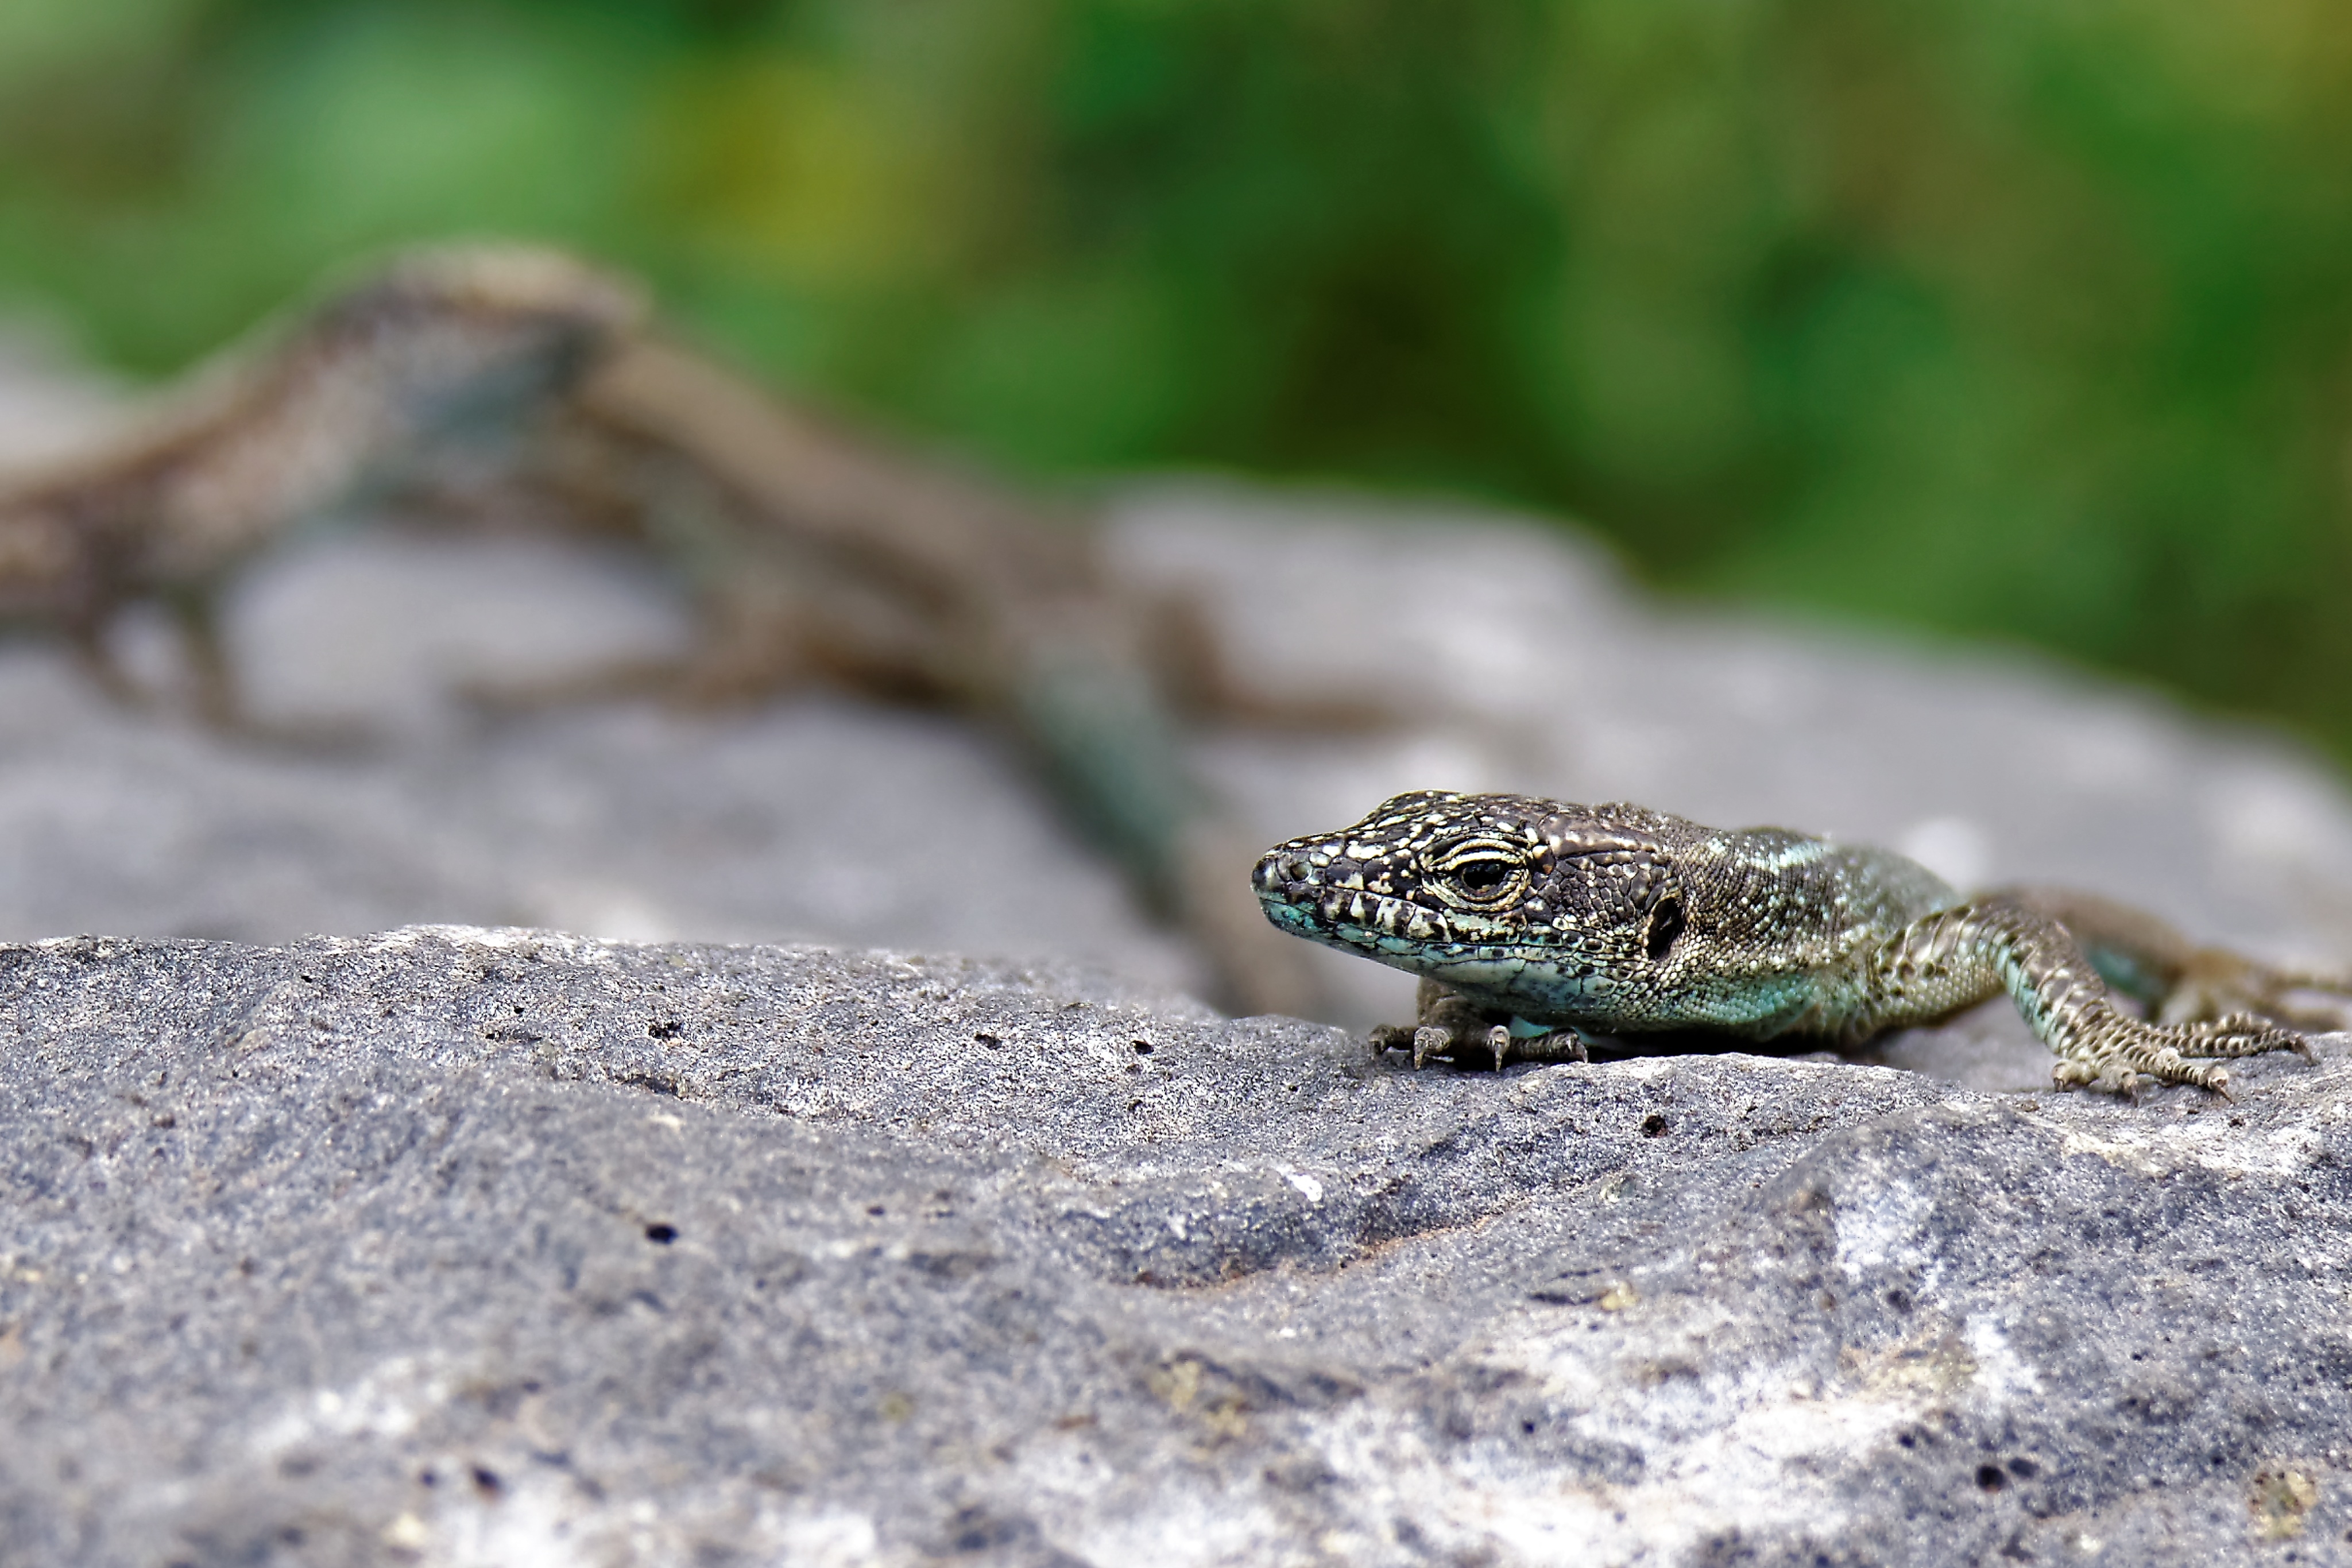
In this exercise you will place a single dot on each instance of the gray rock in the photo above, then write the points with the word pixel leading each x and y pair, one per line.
pixel 473 1248
pixel 815 818
pixel 469 1246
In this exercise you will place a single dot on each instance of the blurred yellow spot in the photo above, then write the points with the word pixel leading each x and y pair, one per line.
pixel 785 167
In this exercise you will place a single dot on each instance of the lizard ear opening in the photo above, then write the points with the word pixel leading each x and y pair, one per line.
pixel 1666 925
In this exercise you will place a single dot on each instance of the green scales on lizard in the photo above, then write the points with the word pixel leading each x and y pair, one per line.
pixel 1533 922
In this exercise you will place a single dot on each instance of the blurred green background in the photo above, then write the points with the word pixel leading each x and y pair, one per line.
pixel 2027 320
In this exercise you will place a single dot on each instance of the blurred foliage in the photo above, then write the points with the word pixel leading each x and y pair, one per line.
pixel 2026 319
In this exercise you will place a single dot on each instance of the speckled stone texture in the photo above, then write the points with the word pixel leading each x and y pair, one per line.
pixel 521 1250
pixel 465 1246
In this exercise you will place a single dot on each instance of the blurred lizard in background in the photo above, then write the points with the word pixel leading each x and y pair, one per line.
pixel 441 350
pixel 511 377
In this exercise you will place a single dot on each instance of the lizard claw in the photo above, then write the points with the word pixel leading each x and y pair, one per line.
pixel 2117 1078
pixel 1563 1044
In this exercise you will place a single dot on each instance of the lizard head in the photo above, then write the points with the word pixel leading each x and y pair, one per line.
pixel 488 284
pixel 1556 912
pixel 462 336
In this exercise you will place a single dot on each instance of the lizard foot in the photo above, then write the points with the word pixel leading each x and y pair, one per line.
pixel 2117 1078
pixel 1460 1039
pixel 2116 1053
pixel 1429 1040
pixel 1560 1045
pixel 1437 1040
pixel 1451 1025
pixel 1424 1040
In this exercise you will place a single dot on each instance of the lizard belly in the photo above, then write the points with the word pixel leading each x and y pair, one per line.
pixel 1758 1007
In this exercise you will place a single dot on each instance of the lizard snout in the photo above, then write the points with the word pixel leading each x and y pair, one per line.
pixel 1279 869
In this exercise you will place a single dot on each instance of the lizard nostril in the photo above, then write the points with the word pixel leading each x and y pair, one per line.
pixel 1279 870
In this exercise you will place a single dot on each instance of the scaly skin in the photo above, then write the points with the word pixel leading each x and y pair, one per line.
pixel 1532 922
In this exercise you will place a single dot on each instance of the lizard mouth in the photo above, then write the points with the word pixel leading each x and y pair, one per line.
pixel 1353 917
pixel 1286 882
pixel 1504 966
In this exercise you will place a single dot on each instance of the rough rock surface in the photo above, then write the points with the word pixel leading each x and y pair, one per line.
pixel 482 1248
pixel 473 1248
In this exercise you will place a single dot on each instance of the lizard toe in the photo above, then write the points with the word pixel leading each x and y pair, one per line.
pixel 2116 1078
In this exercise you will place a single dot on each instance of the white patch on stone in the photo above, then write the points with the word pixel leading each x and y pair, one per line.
pixel 388 1401
pixel 1882 1231
pixel 2001 1374
pixel 527 1526
pixel 2157 1149
pixel 823 1537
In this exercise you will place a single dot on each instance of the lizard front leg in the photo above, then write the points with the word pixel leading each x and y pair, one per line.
pixel 1447 1023
pixel 213 689
pixel 1948 960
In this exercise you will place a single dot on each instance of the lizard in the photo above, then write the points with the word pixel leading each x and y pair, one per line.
pixel 450 346
pixel 807 551
pixel 1533 923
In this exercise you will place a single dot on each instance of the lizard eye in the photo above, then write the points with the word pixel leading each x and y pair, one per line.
pixel 1484 872
pixel 1482 877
